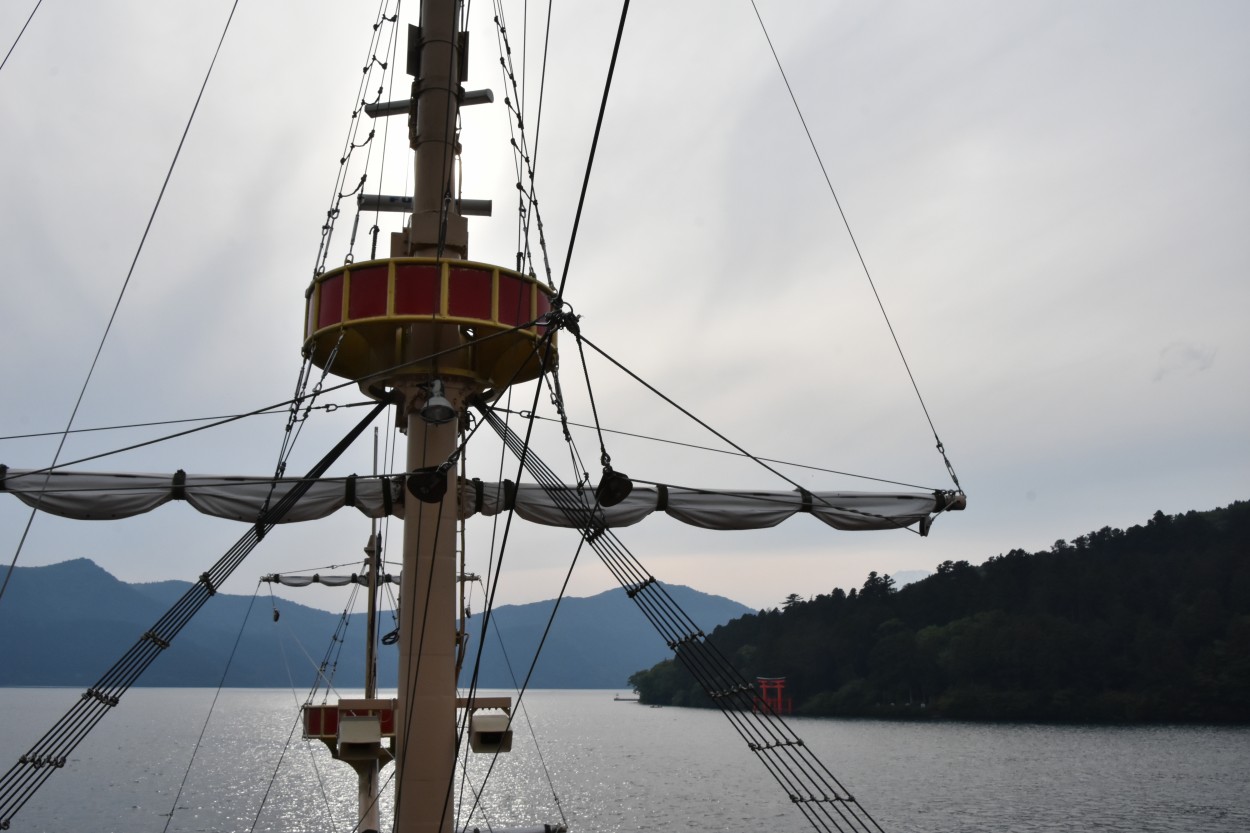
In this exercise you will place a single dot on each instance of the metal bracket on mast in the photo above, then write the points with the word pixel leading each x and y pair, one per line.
pixel 389 202
pixel 398 108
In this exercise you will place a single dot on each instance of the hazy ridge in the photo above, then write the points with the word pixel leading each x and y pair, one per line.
pixel 66 623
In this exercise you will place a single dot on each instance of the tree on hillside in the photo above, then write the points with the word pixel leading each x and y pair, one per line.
pixel 1151 623
pixel 877 587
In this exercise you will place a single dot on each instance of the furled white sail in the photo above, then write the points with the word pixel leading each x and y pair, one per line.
pixel 304 580
pixel 102 496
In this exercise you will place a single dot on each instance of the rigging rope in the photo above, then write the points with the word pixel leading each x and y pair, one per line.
pixel 199 741
pixel 697 447
pixel 20 33
pixel 293 419
pixel 523 159
pixel 604 459
pixel 126 283
pixel 349 142
pixel 594 144
pixel 286 665
pixel 542 760
pixel 273 776
pixel 822 799
pixel 270 410
pixel 713 431
pixel 529 674
pixel 546 362
pixel 855 243
pixel 52 750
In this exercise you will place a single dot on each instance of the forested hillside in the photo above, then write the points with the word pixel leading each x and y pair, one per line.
pixel 1146 624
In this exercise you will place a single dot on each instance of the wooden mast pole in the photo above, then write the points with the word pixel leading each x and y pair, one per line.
pixel 404 323
pixel 426 715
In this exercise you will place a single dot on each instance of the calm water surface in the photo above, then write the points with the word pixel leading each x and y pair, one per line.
pixel 624 767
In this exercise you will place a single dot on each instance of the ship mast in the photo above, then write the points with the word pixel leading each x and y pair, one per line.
pixel 428 330
pixel 425 752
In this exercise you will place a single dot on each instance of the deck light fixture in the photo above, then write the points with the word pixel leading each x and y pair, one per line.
pixel 437 409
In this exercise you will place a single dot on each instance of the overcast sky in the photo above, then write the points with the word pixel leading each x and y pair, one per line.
pixel 1050 196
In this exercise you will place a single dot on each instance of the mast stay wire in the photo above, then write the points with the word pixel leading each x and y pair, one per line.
pixel 858 252
pixel 38 3
pixel 125 283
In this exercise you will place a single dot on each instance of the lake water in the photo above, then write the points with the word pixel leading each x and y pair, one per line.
pixel 625 767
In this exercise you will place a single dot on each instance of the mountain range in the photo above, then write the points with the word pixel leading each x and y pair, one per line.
pixel 64 624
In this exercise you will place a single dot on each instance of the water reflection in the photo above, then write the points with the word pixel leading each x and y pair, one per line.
pixel 617 766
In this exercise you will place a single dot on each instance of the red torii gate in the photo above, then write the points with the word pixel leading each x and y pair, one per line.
pixel 771 696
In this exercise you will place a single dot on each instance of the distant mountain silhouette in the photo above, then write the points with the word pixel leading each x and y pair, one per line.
pixel 595 642
pixel 65 624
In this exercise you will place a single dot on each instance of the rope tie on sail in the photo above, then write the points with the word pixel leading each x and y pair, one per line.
pixel 178 486
pixel 388 501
